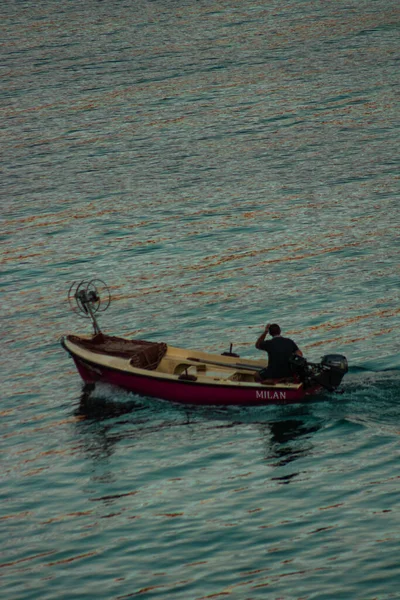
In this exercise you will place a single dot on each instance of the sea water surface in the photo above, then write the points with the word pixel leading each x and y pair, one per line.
pixel 220 165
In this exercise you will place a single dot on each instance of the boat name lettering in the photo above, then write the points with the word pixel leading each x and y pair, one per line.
pixel 270 395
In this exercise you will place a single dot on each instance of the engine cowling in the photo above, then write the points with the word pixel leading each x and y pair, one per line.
pixel 333 368
pixel 335 361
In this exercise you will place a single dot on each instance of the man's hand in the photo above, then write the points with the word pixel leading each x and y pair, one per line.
pixel 262 337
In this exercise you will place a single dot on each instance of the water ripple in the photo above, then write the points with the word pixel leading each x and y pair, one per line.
pixel 220 167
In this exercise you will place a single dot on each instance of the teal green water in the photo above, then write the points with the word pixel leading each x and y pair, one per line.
pixel 219 165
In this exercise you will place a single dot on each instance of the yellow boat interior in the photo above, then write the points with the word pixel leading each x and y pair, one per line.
pixel 171 361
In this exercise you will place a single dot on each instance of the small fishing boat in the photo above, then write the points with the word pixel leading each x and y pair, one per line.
pixel 159 370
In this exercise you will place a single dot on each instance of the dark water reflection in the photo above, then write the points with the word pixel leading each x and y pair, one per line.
pixel 291 440
pixel 102 425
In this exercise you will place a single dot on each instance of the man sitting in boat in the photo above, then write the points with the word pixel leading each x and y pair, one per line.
pixel 279 350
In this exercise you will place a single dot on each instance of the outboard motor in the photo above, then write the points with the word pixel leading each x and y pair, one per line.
pixel 333 369
pixel 328 373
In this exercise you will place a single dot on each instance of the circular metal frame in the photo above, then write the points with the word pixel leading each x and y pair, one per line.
pixel 97 293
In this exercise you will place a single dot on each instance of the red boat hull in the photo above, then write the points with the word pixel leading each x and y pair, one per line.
pixel 188 392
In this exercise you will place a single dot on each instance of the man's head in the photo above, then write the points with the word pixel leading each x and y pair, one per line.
pixel 274 330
